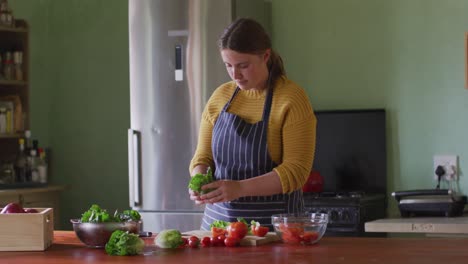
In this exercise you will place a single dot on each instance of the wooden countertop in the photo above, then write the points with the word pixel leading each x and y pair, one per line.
pixel 428 225
pixel 350 250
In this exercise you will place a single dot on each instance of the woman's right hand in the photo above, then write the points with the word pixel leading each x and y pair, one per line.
pixel 195 196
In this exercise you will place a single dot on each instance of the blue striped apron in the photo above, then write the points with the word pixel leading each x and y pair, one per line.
pixel 240 152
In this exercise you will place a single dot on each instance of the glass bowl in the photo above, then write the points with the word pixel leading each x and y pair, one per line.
pixel 96 235
pixel 305 229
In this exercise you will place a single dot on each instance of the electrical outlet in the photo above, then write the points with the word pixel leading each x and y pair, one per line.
pixel 450 165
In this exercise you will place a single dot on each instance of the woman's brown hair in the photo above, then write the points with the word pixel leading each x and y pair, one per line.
pixel 246 35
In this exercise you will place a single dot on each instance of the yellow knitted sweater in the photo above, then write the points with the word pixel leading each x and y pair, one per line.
pixel 291 128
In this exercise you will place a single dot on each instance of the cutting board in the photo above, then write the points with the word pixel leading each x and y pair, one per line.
pixel 246 241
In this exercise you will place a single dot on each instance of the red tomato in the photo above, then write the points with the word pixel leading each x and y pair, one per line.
pixel 221 240
pixel 216 242
pixel 237 230
pixel 215 231
pixel 194 239
pixel 193 242
pixel 309 237
pixel 231 241
pixel 291 233
pixel 260 231
pixel 185 242
pixel 206 242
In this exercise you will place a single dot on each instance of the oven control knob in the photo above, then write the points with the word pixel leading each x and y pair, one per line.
pixel 334 215
pixel 346 216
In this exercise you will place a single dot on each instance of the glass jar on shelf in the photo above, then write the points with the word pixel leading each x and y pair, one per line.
pixel 3 120
pixel 1 67
pixel 8 66
pixel 18 65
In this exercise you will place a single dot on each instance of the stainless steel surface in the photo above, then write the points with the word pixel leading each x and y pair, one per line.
pixel 183 221
pixel 430 199
pixel 175 66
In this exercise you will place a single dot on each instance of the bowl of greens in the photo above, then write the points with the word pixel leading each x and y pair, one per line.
pixel 96 225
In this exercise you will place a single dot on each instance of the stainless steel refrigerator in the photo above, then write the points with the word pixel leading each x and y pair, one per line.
pixel 174 67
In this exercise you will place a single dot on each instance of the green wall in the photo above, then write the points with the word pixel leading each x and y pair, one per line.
pixel 406 56
pixel 80 97
pixel 403 55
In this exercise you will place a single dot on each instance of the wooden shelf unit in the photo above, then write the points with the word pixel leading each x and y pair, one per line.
pixel 15 39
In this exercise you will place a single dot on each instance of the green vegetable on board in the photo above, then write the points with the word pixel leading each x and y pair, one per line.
pixel 220 224
pixel 169 238
pixel 123 243
pixel 199 179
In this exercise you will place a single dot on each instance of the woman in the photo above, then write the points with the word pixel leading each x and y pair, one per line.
pixel 257 133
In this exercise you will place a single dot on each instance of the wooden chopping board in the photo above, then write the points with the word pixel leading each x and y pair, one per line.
pixel 246 241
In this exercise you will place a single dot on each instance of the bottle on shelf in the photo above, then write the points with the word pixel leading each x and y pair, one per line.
pixel 34 162
pixel 9 121
pixel 6 14
pixel 18 66
pixel 1 67
pixel 27 151
pixel 3 12
pixel 28 141
pixel 20 163
pixel 8 66
pixel 3 120
pixel 35 146
pixel 42 166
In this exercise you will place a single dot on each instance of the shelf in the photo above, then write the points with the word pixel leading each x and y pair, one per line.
pixel 14 135
pixel 14 30
pixel 13 83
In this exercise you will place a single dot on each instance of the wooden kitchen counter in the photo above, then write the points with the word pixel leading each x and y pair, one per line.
pixel 350 250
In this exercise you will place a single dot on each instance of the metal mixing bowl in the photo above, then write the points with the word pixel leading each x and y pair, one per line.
pixel 97 234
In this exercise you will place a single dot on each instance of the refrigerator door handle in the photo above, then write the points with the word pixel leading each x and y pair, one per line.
pixel 134 167
pixel 179 72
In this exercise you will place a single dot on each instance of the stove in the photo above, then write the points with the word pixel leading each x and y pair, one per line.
pixel 347 211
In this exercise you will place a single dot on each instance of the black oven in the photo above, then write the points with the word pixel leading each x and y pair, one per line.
pixel 350 156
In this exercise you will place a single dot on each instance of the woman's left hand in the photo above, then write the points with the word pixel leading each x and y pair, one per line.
pixel 224 191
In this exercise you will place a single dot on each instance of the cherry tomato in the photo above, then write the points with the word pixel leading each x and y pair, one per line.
pixel 215 241
pixel 206 242
pixel 309 237
pixel 231 241
pixel 216 231
pixel 237 230
pixel 194 238
pixel 184 242
pixel 193 242
pixel 221 240
pixel 260 231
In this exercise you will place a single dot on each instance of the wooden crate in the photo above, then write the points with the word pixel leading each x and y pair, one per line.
pixel 27 232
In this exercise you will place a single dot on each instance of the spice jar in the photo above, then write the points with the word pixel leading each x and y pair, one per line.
pixel 3 121
pixel 18 68
pixel 8 66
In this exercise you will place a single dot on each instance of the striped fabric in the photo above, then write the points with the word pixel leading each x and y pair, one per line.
pixel 240 152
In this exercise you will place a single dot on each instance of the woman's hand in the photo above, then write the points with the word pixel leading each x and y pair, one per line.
pixel 224 191
pixel 194 196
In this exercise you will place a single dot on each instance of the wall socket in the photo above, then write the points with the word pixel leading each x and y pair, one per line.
pixel 450 165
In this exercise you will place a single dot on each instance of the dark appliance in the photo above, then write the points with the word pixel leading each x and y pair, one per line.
pixel 431 202
pixel 347 211
pixel 351 157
